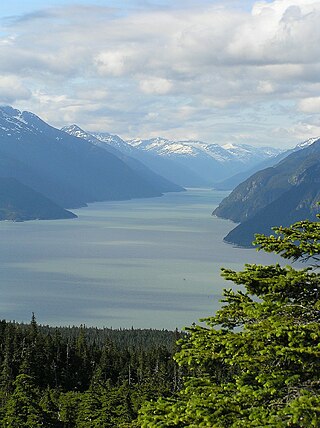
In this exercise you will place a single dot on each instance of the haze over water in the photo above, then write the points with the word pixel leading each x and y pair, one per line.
pixel 148 263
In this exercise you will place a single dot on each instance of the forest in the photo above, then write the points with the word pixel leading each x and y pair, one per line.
pixel 82 377
pixel 255 363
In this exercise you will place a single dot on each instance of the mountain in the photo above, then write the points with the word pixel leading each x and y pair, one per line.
pixel 232 182
pixel 68 170
pixel 187 163
pixel 277 195
pixel 110 143
pixel 209 163
pixel 19 202
pixel 167 167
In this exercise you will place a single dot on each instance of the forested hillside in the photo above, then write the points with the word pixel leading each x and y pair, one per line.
pixel 278 195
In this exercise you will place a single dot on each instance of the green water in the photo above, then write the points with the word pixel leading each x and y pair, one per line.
pixel 142 263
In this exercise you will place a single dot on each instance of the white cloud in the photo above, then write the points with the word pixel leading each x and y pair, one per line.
pixel 12 90
pixel 302 131
pixel 265 87
pixel 156 85
pixel 103 67
pixel 113 63
pixel 310 105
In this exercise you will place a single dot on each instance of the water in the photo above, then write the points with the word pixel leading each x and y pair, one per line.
pixel 148 263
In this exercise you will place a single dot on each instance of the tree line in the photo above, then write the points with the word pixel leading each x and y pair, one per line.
pixel 74 377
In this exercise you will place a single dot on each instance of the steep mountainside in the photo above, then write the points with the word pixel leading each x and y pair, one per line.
pixel 66 169
pixel 235 180
pixel 109 143
pixel 274 196
pixel 19 203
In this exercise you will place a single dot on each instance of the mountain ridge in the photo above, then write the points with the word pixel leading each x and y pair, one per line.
pixel 104 141
pixel 278 195
pixel 56 165
pixel 211 161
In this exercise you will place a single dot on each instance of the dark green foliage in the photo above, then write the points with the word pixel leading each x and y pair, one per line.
pixel 22 409
pixel 256 362
pixel 78 377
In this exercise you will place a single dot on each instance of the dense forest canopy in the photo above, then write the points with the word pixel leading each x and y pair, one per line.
pixel 82 377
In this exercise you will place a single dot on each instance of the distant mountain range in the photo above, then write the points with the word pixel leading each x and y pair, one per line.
pixel 232 182
pixel 274 196
pixel 188 163
pixel 71 167
pixel 203 163
pixel 162 184
pixel 68 171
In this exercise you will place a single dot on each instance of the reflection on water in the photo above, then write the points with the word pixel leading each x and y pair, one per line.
pixel 143 263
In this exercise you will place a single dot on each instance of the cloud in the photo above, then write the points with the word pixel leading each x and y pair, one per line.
pixel 12 90
pixel 300 131
pixel 310 105
pixel 156 85
pixel 106 66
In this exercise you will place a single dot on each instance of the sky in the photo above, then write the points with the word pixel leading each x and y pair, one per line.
pixel 222 72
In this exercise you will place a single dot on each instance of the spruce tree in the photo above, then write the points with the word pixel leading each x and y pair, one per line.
pixel 256 363
pixel 23 409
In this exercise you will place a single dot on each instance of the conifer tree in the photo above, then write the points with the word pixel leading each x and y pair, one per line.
pixel 256 363
pixel 49 403
pixel 68 408
pixel 23 409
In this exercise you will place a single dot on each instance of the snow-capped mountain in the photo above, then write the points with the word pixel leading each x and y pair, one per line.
pixel 67 170
pixel 246 152
pixel 210 161
pixel 113 144
pixel 16 123
pixel 231 182
pixel 226 153
pixel 110 142
pixel 163 166
pixel 193 162
pixel 306 143
pixel 163 147
pixel 185 162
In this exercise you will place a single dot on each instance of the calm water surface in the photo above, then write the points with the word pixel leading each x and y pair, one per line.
pixel 141 263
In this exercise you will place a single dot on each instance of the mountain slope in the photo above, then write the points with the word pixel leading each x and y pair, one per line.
pixel 232 182
pixel 165 166
pixel 188 163
pixel 274 196
pixel 109 143
pixel 64 168
pixel 299 202
pixel 19 202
